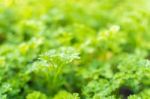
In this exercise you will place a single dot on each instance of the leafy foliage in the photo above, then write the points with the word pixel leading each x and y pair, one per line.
pixel 74 49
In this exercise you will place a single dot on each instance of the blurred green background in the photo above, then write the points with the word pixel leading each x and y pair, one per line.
pixel 72 49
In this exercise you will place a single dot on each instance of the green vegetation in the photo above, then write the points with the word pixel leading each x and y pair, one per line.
pixel 74 49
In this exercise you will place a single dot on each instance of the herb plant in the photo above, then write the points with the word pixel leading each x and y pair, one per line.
pixel 74 49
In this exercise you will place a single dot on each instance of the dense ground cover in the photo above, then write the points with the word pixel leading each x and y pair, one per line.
pixel 74 49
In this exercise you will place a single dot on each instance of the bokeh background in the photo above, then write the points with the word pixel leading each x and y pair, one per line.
pixel 71 49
